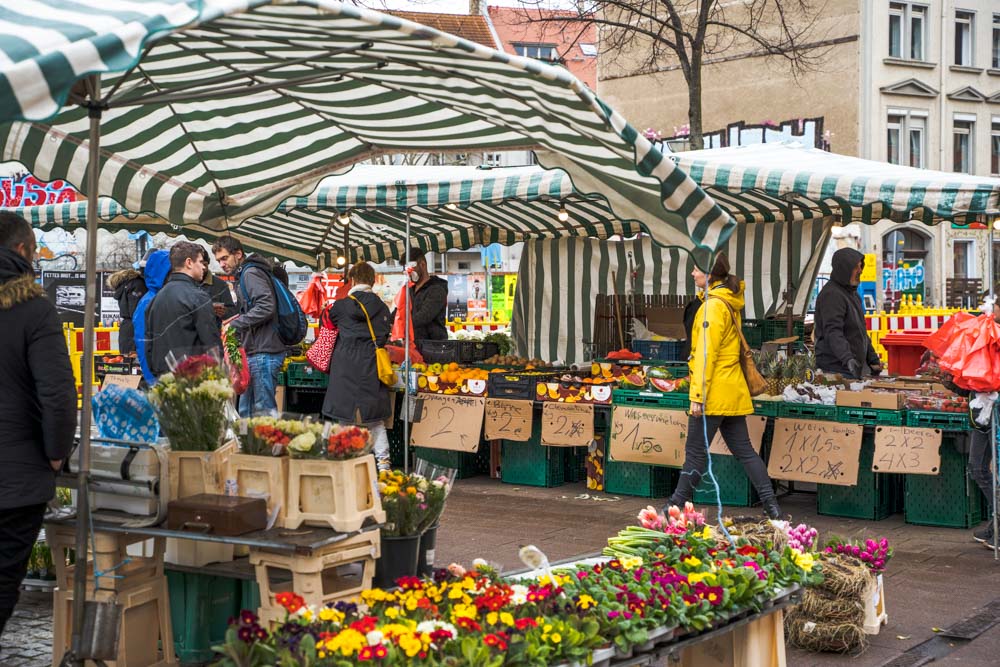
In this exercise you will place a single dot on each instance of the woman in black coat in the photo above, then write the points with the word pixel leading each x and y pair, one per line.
pixel 355 395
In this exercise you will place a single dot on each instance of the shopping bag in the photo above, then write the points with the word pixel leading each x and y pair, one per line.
pixel 320 353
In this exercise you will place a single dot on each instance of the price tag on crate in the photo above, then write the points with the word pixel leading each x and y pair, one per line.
pixel 508 419
pixel 907 449
pixel 823 452
pixel 755 427
pixel 567 424
pixel 448 422
pixel 648 435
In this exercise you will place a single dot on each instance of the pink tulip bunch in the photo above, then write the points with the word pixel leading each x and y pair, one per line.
pixel 676 521
pixel 801 537
pixel 873 553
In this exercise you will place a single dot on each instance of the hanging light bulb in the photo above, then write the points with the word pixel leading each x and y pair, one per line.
pixel 344 218
pixel 451 206
pixel 996 224
pixel 563 214
pixel 341 260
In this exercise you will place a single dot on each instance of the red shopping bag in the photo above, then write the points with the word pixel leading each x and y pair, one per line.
pixel 320 353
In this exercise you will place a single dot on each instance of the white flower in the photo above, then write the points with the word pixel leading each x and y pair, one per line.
pixel 479 562
pixel 518 594
pixel 302 443
pixel 374 638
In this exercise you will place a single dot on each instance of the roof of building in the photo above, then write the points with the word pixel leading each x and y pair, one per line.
pixel 471 27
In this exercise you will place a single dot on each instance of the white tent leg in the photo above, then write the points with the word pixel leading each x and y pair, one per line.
pixel 406 346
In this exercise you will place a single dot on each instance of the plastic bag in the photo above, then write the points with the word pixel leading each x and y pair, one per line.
pixel 237 367
pixel 313 298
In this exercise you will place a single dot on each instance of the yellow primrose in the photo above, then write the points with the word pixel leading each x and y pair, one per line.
pixel 506 618
pixel 555 637
pixel 330 615
pixel 803 560
pixel 692 562
pixel 492 618
pixel 631 562
pixel 586 602
pixel 695 577
pixel 707 533
pixel 410 645
pixel 392 613
pixel 464 611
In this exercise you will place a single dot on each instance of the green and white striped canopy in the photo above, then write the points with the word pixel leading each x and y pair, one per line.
pixel 752 181
pixel 215 111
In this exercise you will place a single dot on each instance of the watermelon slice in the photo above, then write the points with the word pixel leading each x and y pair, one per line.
pixel 635 380
pixel 663 385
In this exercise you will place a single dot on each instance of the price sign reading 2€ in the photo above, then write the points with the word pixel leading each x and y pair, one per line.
pixel 567 424
pixel 508 419
pixel 448 422
pixel 648 435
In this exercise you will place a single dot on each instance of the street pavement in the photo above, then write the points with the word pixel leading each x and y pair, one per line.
pixel 937 577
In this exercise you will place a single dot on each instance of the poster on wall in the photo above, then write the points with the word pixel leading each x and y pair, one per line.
pixel 458 297
pixel 67 290
pixel 478 305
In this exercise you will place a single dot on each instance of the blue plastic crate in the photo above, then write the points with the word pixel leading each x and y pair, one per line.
pixel 667 350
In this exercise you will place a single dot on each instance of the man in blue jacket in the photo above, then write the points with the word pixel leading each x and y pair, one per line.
pixel 37 405
pixel 256 323
pixel 157 270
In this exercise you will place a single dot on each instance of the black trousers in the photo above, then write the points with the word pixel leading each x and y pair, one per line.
pixel 734 432
pixel 980 459
pixel 18 532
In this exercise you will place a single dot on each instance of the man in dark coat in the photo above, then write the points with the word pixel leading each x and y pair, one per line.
pixel 129 286
pixel 842 342
pixel 430 300
pixel 180 319
pixel 256 324
pixel 37 405
pixel 355 394
pixel 218 291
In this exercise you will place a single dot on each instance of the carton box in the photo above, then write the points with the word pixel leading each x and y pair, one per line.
pixel 667 322
pixel 870 399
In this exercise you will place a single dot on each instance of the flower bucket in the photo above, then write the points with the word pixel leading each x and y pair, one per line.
pixel 425 558
pixel 399 559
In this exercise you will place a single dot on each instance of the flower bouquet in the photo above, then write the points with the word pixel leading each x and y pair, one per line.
pixel 236 360
pixel 193 403
pixel 269 436
pixel 404 501
pixel 331 442
pixel 439 484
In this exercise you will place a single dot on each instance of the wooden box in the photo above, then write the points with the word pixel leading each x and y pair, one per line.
pixel 262 477
pixel 110 550
pixel 760 642
pixel 216 514
pixel 192 473
pixel 338 494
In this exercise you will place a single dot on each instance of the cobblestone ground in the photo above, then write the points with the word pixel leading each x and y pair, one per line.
pixel 937 577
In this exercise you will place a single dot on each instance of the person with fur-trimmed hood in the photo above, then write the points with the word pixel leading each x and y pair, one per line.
pixel 129 286
pixel 37 405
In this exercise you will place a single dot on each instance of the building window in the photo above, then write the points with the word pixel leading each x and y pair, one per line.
pixel 493 159
pixel 589 50
pixel 964 253
pixel 996 41
pixel 907 30
pixel 964 38
pixel 995 147
pixel 537 51
pixel 906 138
pixel 961 136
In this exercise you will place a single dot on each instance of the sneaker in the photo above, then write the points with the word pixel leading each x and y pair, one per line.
pixel 984 534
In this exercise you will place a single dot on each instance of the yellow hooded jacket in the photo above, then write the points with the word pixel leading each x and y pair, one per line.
pixel 718 374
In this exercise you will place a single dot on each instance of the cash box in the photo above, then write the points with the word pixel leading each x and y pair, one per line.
pixel 217 514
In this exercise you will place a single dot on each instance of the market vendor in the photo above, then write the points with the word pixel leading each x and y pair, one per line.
pixel 430 300
pixel 842 342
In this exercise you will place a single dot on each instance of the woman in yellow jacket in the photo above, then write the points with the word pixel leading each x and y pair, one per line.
pixel 720 399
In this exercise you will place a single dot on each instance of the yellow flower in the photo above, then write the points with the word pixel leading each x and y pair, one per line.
pixel 492 618
pixel 506 618
pixel 631 562
pixel 695 577
pixel 392 613
pixel 463 611
pixel 707 533
pixel 410 644
pixel 555 637
pixel 804 560
pixel 455 593
pixel 586 602
pixel 692 562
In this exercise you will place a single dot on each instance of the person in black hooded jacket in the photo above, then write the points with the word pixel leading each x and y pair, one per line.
pixel 842 342
pixel 129 286
pixel 37 406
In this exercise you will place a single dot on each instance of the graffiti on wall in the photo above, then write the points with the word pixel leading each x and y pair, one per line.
pixel 26 190
pixel 808 131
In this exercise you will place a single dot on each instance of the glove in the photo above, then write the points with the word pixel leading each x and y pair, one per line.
pixel 854 368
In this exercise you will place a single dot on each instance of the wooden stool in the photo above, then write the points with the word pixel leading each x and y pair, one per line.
pixel 339 494
pixel 337 572
pixel 108 550
pixel 144 627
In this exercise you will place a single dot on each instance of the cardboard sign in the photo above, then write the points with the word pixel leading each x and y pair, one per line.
pixel 567 424
pixel 448 422
pixel 805 450
pixel 127 381
pixel 508 419
pixel 755 427
pixel 907 449
pixel 648 435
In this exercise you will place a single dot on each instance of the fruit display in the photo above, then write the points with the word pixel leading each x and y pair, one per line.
pixel 451 379
pixel 661 379
pixel 515 361
pixel 783 370
pixel 574 389
pixel 937 401
pixel 629 377
pixel 624 354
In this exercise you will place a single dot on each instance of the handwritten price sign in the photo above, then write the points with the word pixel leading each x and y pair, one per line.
pixel 648 435
pixel 755 428
pixel 448 422
pixel 910 450
pixel 567 425
pixel 814 451
pixel 508 419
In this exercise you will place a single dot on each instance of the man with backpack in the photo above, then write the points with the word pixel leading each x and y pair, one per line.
pixel 269 320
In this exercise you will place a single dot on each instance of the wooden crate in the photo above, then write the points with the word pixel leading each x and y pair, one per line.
pixel 336 572
pixel 338 494
pixel 262 476
pixel 110 551
pixel 761 642
pixel 145 625
pixel 192 473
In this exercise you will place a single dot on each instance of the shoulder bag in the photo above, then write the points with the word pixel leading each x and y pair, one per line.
pixel 320 353
pixel 386 375
pixel 755 381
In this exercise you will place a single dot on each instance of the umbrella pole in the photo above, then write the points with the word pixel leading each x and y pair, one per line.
pixel 788 285
pixel 83 474
pixel 406 347
pixel 990 221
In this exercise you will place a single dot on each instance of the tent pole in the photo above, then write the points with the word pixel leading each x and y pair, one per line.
pixel 406 347
pixel 788 267
pixel 83 474
pixel 990 221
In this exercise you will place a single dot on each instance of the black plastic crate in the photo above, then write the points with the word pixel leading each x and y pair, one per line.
pixel 440 351
pixel 473 351
pixel 576 464
pixel 517 384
